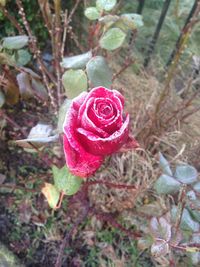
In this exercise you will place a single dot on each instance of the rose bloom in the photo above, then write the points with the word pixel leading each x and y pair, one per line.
pixel 94 127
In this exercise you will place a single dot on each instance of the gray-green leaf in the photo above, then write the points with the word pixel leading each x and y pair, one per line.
pixel 15 42
pixel 62 113
pixel 22 57
pixel 187 223
pixel 98 72
pixel 166 185
pixel 74 82
pixel 106 5
pixel 186 174
pixel 76 62
pixel 197 187
pixel 2 99
pixel 132 20
pixel 112 39
pixel 39 135
pixel 92 13
pixel 164 164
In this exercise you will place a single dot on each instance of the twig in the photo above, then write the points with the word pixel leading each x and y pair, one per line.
pixel 57 5
pixel 12 20
pixel 117 186
pixel 109 219
pixel 64 34
pixel 37 53
pixel 75 39
pixel 73 11
pixel 69 234
pixel 127 64
pixel 46 13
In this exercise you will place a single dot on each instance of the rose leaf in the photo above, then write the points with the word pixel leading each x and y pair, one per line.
pixel 106 5
pixel 76 62
pixel 65 181
pixel 159 248
pixel 167 185
pixel 112 39
pixel 187 223
pixel 52 194
pixel 92 13
pixel 62 113
pixel 2 99
pixel 98 72
pixel 15 42
pixel 38 136
pixel 186 174
pixel 74 82
pixel 164 164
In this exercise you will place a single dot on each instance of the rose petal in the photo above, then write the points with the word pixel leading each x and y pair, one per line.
pixel 104 146
pixel 88 124
pixel 79 161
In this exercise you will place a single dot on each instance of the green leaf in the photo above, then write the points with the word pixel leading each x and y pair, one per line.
pixel 187 223
pixel 166 185
pixel 62 113
pixel 74 82
pixel 52 194
pixel 112 39
pixel 22 57
pixel 164 164
pixel 106 5
pixel 186 174
pixel 15 42
pixel 98 72
pixel 65 181
pixel 92 13
pixel 132 20
pixel 2 99
pixel 109 20
pixel 76 62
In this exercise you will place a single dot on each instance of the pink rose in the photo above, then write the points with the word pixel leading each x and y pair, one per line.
pixel 94 127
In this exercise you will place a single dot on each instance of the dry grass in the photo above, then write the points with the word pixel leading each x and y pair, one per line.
pixel 178 141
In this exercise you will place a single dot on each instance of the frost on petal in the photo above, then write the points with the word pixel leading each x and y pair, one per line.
pixel 87 123
pixel 80 162
pixel 99 92
pixel 105 146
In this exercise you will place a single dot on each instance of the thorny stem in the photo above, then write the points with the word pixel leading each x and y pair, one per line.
pixel 178 111
pixel 37 53
pixel 126 64
pixel 12 19
pixel 181 202
pixel 69 234
pixel 117 186
pixel 57 5
pixel 109 219
pixel 46 13
pixel 64 34
pixel 186 32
